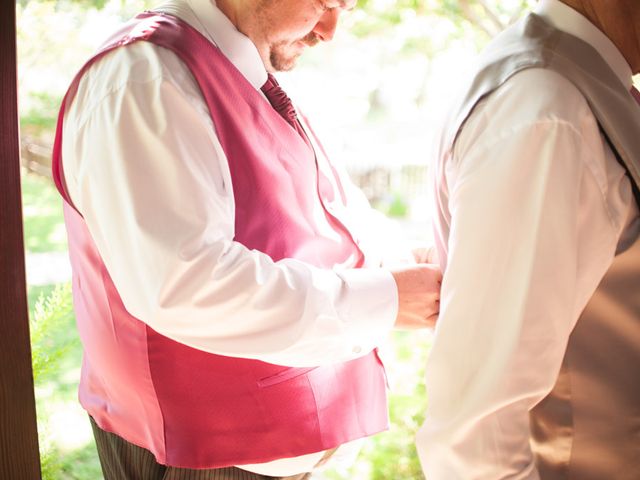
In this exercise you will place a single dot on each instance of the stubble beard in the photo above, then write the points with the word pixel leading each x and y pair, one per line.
pixel 283 55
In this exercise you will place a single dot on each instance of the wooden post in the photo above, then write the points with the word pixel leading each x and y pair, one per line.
pixel 19 458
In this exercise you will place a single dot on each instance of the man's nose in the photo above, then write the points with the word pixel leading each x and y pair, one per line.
pixel 325 29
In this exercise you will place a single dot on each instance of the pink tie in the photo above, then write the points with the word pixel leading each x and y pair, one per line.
pixel 282 104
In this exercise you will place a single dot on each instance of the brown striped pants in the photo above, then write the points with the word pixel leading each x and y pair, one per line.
pixel 121 460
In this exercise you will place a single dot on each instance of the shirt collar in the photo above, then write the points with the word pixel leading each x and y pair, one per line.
pixel 567 19
pixel 209 20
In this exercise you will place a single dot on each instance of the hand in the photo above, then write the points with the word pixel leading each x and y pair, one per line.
pixel 418 295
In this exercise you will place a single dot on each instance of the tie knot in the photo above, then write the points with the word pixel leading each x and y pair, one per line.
pixel 279 99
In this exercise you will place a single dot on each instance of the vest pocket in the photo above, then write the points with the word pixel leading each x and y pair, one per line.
pixel 283 376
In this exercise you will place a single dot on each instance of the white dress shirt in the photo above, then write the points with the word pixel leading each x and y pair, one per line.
pixel 146 170
pixel 538 204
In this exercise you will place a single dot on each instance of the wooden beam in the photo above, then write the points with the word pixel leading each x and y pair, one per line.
pixel 19 458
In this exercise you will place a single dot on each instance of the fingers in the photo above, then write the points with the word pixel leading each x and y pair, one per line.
pixel 432 319
pixel 406 322
pixel 418 295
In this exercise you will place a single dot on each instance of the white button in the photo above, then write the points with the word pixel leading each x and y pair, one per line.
pixel 357 349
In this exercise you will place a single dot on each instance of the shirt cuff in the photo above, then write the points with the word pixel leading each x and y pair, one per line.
pixel 369 307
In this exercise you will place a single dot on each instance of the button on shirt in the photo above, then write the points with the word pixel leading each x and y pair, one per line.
pixel 146 170
pixel 538 204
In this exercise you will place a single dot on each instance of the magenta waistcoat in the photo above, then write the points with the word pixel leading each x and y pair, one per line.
pixel 189 407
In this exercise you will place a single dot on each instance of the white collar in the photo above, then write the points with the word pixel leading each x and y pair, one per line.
pixel 567 19
pixel 208 19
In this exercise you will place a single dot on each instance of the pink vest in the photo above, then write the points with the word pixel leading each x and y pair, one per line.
pixel 195 409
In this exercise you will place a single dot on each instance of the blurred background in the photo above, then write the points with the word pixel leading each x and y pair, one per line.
pixel 374 95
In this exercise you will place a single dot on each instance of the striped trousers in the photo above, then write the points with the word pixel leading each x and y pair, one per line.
pixel 121 460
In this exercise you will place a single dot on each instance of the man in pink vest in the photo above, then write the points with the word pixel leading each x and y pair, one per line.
pixel 534 372
pixel 213 242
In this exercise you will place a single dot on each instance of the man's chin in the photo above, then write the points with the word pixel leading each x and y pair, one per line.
pixel 283 63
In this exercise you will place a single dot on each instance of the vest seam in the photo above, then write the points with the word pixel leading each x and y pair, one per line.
pixel 103 272
pixel 317 413
pixel 155 394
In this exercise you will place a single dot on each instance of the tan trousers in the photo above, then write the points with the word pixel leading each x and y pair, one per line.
pixel 121 460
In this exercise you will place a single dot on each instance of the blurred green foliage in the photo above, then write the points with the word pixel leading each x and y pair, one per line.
pixel 42 211
pixel 50 318
pixel 68 30
pixel 398 207
pixel 51 314
pixel 94 4
pixel 477 19
pixel 41 114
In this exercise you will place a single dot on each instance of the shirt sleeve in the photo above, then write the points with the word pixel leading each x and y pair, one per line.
pixel 531 236
pixel 147 172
